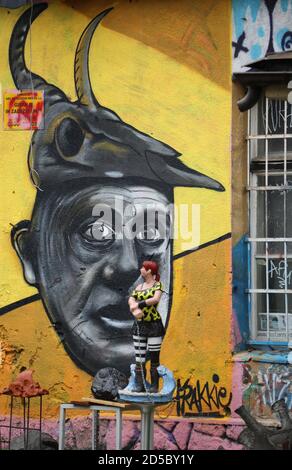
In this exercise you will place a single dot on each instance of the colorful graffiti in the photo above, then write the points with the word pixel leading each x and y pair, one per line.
pixel 239 297
pixel 266 384
pixel 260 27
pixel 85 161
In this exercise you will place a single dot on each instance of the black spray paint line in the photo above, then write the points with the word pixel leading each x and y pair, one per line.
pixel 204 245
pixel 19 303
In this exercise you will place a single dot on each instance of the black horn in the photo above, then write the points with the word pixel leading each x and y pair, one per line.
pixel 24 78
pixel 81 66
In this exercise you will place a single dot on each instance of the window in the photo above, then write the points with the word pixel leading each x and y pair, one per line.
pixel 270 220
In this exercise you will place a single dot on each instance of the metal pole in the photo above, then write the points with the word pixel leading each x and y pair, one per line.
pixel 10 422
pixel 95 430
pixel 62 427
pixel 151 427
pixel 147 427
pixel 24 422
pixel 41 419
pixel 142 442
pixel 27 420
pixel 144 427
pixel 118 429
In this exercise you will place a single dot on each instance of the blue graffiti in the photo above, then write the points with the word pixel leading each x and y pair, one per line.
pixel 239 11
pixel 279 37
pixel 286 42
pixel 255 51
pixel 259 30
pixel 284 5
pixel 239 297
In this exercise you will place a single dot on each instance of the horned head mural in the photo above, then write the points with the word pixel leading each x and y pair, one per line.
pixel 85 157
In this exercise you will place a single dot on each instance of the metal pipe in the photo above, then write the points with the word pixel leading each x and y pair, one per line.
pixel 250 98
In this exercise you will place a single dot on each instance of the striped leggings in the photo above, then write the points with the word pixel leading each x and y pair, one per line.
pixel 142 344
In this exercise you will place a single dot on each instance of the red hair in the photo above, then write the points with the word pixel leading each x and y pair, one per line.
pixel 153 267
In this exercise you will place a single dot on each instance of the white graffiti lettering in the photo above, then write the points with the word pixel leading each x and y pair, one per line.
pixel 280 272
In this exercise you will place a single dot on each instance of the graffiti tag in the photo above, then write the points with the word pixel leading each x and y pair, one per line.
pixel 267 385
pixel 275 386
pixel 207 399
pixel 280 272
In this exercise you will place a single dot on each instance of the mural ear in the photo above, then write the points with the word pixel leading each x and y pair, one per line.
pixel 20 239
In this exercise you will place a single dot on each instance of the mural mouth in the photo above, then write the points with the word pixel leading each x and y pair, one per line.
pixel 116 318
pixel 118 324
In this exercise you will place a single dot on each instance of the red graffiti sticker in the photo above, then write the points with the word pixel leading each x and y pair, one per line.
pixel 23 110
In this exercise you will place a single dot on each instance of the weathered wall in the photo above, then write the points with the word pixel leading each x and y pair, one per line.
pixel 164 68
pixel 259 27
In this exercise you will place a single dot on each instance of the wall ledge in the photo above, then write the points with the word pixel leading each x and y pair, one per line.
pixel 274 357
pixel 231 421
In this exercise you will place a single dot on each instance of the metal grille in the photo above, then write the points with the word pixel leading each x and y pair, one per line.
pixel 270 223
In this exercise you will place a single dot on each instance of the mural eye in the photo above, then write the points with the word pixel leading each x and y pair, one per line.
pixel 98 232
pixel 69 137
pixel 150 235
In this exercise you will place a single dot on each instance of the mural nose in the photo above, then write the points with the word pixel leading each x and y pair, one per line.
pixel 125 270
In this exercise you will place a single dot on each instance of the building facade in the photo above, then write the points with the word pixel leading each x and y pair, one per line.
pixel 140 103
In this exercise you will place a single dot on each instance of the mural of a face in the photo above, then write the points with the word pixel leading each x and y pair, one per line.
pixel 87 156
pixel 84 278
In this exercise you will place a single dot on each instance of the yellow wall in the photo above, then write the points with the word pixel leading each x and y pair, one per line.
pixel 164 67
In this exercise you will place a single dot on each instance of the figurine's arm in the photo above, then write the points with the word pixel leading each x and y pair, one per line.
pixel 134 308
pixel 138 313
pixel 132 303
pixel 153 301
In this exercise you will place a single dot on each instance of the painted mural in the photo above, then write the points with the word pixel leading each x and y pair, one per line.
pixel 125 158
pixel 87 158
pixel 260 27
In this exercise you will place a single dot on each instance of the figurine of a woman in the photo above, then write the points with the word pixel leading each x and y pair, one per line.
pixel 148 330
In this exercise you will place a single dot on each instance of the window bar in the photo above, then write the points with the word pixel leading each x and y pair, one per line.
pixel 248 148
pixel 269 239
pixel 271 136
pixel 250 247
pixel 269 188
pixel 249 294
pixel 266 214
pixel 285 219
pixel 271 291
pixel 253 247
pixel 252 195
pixel 249 244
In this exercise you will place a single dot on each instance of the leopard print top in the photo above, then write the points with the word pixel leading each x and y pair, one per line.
pixel 150 313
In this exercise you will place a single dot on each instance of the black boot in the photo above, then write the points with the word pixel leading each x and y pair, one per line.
pixel 139 383
pixel 154 378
